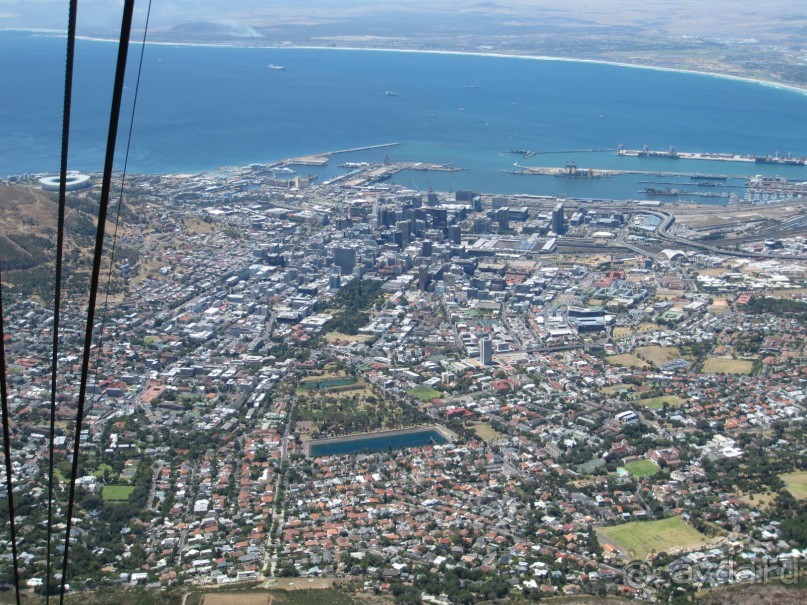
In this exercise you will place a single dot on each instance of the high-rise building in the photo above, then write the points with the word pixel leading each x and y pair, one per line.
pixel 486 352
pixel 482 225
pixel 503 218
pixel 345 259
pixel 463 195
pixel 424 281
pixel 557 223
pixel 455 235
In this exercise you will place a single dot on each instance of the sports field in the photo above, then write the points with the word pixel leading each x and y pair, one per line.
pixel 484 431
pixel 424 393
pixel 724 365
pixel 642 468
pixel 640 538
pixel 116 493
pixel 796 484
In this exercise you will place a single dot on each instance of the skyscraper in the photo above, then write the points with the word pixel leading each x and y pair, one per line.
pixel 558 225
pixel 486 352
pixel 345 259
pixel 455 234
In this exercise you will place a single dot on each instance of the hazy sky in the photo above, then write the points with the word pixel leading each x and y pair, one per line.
pixel 697 17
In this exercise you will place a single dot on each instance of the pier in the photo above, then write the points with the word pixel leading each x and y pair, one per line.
pixel 528 153
pixel 598 173
pixel 376 173
pixel 322 159
pixel 365 148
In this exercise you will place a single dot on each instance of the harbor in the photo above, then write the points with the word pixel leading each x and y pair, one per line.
pixel 591 175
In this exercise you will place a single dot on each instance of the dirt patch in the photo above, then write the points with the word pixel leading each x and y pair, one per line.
pixel 237 599
pixel 756 595
pixel 303 583
pixel 338 336
pixel 657 355
pixel 757 500
pixel 627 360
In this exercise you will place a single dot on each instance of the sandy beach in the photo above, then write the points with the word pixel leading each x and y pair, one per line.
pixel 748 79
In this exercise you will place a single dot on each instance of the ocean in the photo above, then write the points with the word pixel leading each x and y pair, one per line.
pixel 202 108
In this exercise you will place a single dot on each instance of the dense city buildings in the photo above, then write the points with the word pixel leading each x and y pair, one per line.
pixel 562 388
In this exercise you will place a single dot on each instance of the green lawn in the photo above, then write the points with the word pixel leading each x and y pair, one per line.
pixel 642 468
pixel 99 472
pixel 424 393
pixel 640 538
pixel 656 403
pixel 796 484
pixel 117 493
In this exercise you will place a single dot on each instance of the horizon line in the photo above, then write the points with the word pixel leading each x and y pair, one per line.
pixel 749 79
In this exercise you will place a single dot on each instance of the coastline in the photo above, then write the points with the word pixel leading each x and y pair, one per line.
pixel 747 79
pixel 447 435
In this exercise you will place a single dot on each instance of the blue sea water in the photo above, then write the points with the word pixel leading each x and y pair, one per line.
pixel 379 443
pixel 201 108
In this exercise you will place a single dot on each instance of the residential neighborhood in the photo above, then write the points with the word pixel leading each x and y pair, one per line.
pixel 586 396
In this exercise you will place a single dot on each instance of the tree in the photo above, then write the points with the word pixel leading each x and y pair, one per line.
pixel 288 571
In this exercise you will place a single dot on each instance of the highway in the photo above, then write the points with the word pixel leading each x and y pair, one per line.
pixel 667 220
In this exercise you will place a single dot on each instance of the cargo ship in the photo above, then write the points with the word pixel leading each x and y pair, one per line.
pixel 276 67
pixel 673 154
pixel 665 192
pixel 787 160
pixel 708 177
pixel 644 152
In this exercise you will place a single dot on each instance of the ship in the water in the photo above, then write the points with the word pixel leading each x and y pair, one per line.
pixel 709 177
pixel 277 67
pixel 645 152
pixel 391 93
pixel 787 160
pixel 665 192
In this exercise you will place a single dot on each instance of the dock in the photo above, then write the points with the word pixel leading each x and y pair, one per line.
pixel 375 173
pixel 598 173
pixel 322 159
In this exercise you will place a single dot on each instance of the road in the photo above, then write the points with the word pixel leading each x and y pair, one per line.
pixel 667 220
pixel 278 519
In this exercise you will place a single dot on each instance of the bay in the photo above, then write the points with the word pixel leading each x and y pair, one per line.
pixel 201 108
